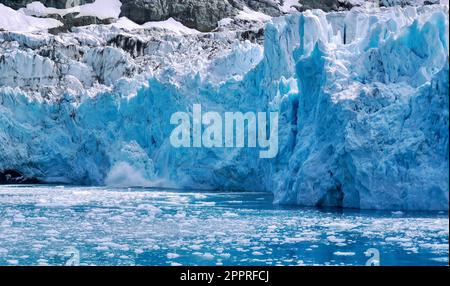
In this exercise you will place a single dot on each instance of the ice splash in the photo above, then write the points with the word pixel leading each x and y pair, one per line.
pixel 125 175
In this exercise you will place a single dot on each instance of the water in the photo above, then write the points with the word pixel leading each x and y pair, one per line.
pixel 48 225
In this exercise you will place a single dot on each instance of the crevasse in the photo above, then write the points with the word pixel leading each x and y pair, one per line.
pixel 363 102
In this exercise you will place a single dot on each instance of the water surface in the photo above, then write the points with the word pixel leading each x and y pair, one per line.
pixel 54 225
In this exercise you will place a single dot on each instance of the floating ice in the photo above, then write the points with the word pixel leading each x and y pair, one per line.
pixel 143 227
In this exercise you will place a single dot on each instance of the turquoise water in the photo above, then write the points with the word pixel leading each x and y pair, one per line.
pixel 55 225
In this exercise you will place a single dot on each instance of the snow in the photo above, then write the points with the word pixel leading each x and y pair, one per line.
pixel 39 9
pixel 288 6
pixel 170 25
pixel 126 24
pixel 363 103
pixel 12 20
pixel 251 15
pixel 102 9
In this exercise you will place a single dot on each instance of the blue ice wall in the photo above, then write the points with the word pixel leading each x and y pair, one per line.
pixel 363 104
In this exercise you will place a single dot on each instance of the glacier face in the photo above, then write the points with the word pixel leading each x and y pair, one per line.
pixel 362 96
pixel 372 115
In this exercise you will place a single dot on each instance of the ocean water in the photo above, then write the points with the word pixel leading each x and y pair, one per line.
pixel 59 225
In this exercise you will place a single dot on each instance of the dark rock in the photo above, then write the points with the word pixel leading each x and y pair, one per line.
pixel 202 15
pixel 266 6
pixel 133 46
pixel 334 197
pixel 60 4
pixel 253 36
pixel 325 5
pixel 70 20
pixel 431 2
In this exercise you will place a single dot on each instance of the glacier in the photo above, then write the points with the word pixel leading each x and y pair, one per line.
pixel 362 97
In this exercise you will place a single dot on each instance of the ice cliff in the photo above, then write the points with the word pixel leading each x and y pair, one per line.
pixel 362 96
